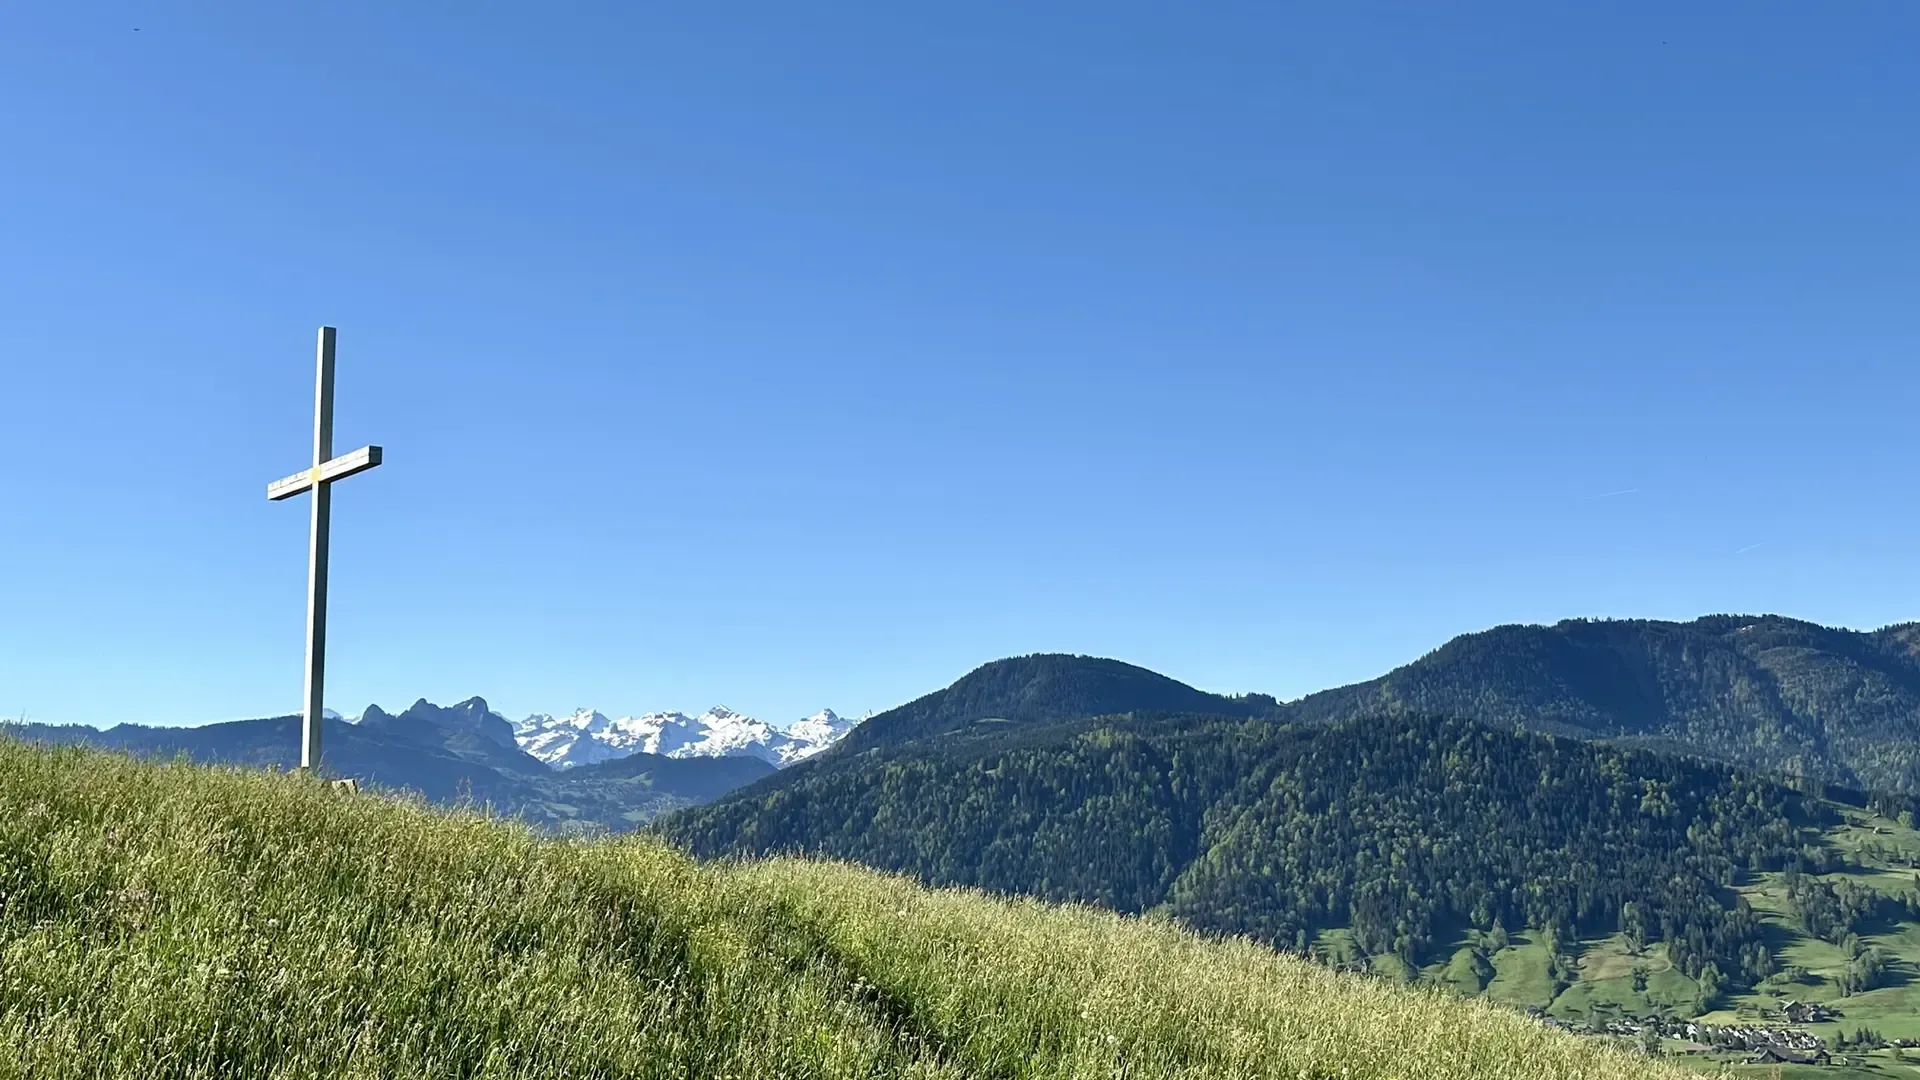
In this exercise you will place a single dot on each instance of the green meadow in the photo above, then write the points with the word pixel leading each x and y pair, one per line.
pixel 1612 979
pixel 179 921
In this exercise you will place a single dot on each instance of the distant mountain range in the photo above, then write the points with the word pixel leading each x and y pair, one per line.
pixel 464 753
pixel 1764 692
pixel 588 737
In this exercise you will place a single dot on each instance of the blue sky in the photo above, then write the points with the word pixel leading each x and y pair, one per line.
pixel 788 356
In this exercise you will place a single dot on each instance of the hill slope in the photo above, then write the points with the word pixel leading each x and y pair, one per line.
pixel 1037 689
pixel 1587 877
pixel 1762 691
pixel 173 921
pixel 1402 830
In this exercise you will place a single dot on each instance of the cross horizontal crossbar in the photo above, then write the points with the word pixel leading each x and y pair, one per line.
pixel 354 461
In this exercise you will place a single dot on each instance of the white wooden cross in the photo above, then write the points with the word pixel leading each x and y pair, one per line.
pixel 319 480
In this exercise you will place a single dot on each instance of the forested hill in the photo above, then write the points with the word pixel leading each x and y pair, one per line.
pixel 1025 690
pixel 1404 829
pixel 1764 691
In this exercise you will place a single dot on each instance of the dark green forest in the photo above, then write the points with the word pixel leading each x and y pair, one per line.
pixel 1762 691
pixel 1767 692
pixel 1404 828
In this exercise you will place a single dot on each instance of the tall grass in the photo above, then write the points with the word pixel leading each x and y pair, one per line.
pixel 176 921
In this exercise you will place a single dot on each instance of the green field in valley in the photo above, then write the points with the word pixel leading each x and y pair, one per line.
pixel 1615 980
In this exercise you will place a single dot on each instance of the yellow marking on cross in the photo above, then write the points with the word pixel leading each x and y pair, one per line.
pixel 313 476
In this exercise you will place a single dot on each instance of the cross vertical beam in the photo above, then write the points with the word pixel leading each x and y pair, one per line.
pixel 319 479
pixel 317 554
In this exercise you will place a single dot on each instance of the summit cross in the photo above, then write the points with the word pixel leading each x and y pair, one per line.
pixel 319 480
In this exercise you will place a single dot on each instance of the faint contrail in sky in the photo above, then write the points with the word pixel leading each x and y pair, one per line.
pixel 1748 548
pixel 1611 494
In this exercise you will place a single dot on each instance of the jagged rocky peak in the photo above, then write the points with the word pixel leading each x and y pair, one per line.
pixel 588 736
pixel 471 716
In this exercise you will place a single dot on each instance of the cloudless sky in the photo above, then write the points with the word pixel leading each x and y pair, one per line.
pixel 801 355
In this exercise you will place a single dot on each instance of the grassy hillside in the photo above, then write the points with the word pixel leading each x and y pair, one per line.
pixel 178 921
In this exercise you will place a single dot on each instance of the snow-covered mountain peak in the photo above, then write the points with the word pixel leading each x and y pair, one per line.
pixel 823 728
pixel 588 736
